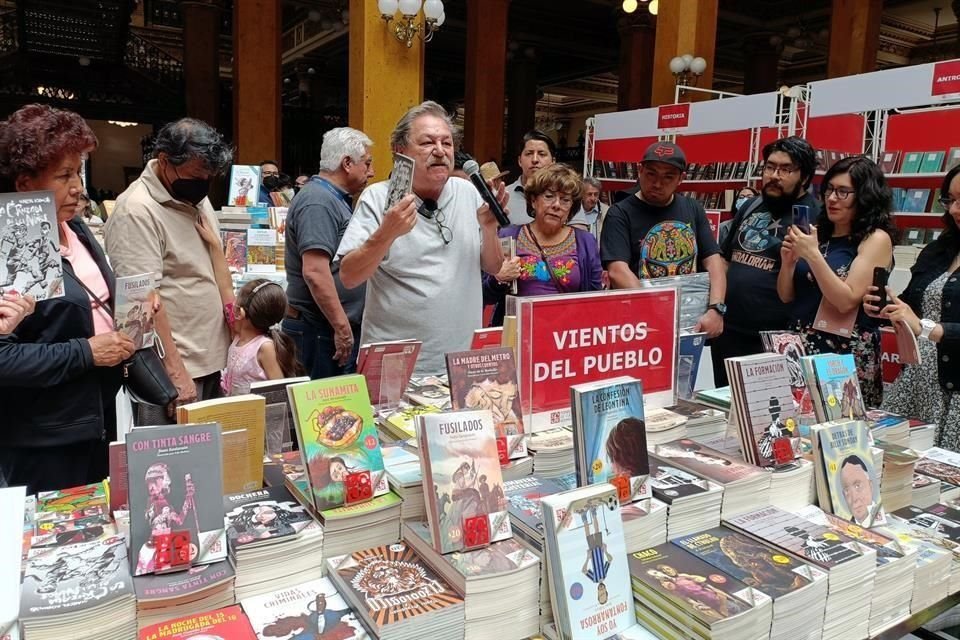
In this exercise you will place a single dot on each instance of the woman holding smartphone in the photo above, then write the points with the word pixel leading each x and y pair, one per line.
pixel 930 305
pixel 826 272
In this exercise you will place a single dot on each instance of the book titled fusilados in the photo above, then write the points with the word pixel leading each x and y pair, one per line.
pixel 461 476
pixel 587 557
pixel 175 485
pixel 133 312
pixel 609 434
pixel 338 437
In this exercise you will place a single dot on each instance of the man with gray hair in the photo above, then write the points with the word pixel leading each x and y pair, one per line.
pixel 421 258
pixel 323 317
pixel 153 229
pixel 592 211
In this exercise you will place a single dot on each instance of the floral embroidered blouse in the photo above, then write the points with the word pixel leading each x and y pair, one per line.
pixel 561 259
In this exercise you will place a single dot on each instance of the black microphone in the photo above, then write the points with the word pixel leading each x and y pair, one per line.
pixel 472 169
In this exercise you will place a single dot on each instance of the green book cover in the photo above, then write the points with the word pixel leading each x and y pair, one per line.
pixel 338 436
pixel 911 162
pixel 932 162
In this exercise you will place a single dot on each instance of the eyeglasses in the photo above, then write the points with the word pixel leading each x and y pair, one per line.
pixel 947 203
pixel 549 197
pixel 782 169
pixel 842 193
pixel 445 233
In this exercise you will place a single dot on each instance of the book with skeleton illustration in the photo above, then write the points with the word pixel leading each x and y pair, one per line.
pixel 487 379
pixel 30 245
pixel 260 517
pixel 458 457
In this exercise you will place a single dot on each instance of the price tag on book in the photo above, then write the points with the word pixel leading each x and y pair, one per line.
pixel 622 483
pixel 358 487
pixel 171 551
pixel 476 532
pixel 503 453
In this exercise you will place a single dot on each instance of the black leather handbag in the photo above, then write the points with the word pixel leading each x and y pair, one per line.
pixel 144 375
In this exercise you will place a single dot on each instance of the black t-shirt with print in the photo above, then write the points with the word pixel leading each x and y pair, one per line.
pixel 752 248
pixel 657 241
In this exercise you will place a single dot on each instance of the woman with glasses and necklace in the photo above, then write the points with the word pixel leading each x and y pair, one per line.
pixel 930 305
pixel 552 257
pixel 826 272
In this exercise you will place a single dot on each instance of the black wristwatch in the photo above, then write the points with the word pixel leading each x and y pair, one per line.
pixel 719 307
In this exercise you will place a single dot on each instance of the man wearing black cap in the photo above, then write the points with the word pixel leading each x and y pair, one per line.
pixel 657 233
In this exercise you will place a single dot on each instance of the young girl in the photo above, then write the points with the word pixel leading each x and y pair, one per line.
pixel 259 350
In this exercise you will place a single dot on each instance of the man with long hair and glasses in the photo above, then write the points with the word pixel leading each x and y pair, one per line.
pixel 420 257
pixel 752 251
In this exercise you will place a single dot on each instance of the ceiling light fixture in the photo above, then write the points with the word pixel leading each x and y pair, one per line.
pixel 406 28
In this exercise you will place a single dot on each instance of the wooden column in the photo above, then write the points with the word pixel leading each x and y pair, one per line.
pixel 761 64
pixel 386 79
pixel 522 108
pixel 683 26
pixel 201 59
pixel 486 78
pixel 854 37
pixel 637 47
pixel 256 80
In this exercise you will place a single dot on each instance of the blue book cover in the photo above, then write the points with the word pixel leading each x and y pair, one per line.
pixel 689 351
pixel 838 387
pixel 588 563
pixel 609 434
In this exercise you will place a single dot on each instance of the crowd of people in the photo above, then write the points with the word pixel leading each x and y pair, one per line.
pixel 359 271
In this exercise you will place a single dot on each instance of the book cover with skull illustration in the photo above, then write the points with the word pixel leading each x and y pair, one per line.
pixel 338 438
pixel 391 585
pixel 458 457
pixel 487 379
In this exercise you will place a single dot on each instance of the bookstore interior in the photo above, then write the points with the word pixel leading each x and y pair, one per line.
pixel 578 468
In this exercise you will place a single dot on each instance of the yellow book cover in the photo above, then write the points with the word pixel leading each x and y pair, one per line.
pixel 236 412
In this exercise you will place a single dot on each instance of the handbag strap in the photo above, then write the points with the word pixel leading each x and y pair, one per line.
pixel 97 299
pixel 546 263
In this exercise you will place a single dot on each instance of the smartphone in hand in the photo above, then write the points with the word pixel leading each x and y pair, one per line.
pixel 801 217
pixel 880 277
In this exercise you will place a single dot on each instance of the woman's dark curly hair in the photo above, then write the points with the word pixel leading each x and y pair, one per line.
pixel 873 198
pixel 36 136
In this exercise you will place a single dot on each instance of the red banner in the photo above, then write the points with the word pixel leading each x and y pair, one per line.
pixel 713 217
pixel 890 365
pixel 578 338
pixel 673 116
pixel 946 78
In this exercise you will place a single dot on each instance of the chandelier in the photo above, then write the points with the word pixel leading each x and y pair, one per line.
pixel 406 28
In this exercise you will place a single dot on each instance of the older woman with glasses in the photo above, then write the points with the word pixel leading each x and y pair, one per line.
pixel 552 257
pixel 827 271
pixel 930 305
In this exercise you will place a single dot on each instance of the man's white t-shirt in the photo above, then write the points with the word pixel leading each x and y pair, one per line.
pixel 423 289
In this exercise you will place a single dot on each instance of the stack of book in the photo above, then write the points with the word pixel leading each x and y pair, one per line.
pixel 719 398
pixel 943 465
pixel 931 579
pixel 517 468
pixel 405 478
pixel 850 567
pixel 270 535
pixel 396 594
pixel 896 482
pixel 429 391
pixel 553 452
pixel 792 486
pixel 925 490
pixel 587 560
pixel 481 576
pixel 679 595
pixel 939 524
pixel 702 421
pixel 922 435
pixel 376 521
pixel 280 613
pixel 745 486
pixel 67 587
pixel 889 427
pixel 896 568
pixel 399 423
pixel 798 589
pixel 229 622
pixel 644 523
pixel 664 425
pixel 526 518
pixel 192 592
pixel 766 418
pixel 694 502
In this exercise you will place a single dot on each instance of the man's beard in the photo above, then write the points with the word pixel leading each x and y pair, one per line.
pixel 784 200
